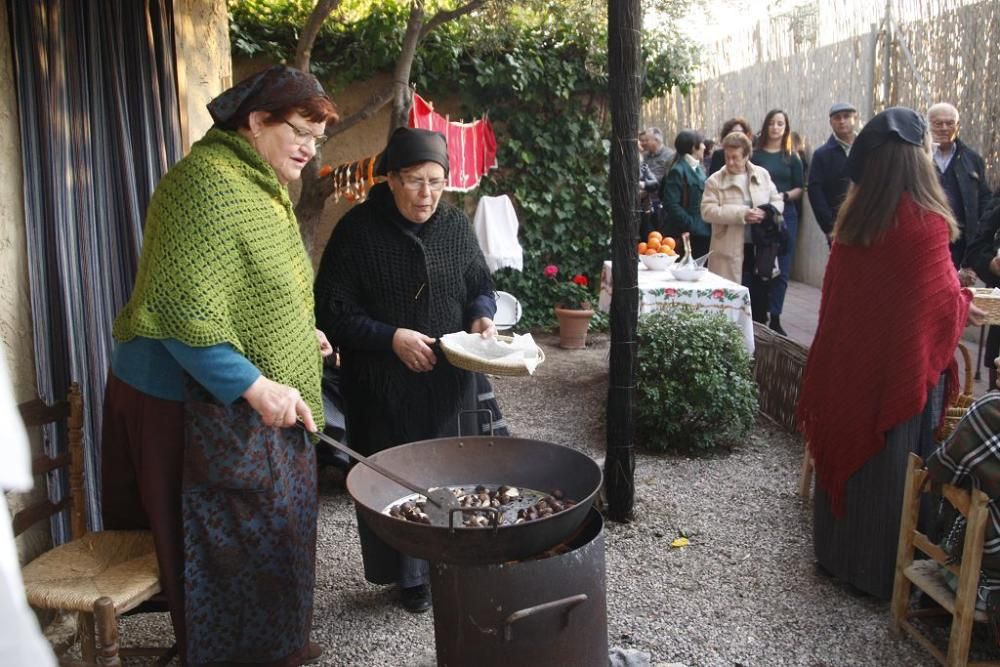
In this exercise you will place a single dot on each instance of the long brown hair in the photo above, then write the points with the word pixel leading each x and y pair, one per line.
pixel 785 145
pixel 869 210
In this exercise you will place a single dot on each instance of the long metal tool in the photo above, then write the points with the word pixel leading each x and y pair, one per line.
pixel 440 500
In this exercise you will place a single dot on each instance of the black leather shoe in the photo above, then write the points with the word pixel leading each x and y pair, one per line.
pixel 416 599
pixel 775 325
pixel 314 654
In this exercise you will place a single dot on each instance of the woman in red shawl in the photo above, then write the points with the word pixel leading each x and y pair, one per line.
pixel 890 318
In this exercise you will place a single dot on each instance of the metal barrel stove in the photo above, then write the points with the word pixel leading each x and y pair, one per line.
pixel 545 611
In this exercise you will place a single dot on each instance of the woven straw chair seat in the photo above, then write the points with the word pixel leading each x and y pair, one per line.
pixel 118 564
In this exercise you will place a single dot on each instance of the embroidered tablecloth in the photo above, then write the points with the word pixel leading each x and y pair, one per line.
pixel 659 290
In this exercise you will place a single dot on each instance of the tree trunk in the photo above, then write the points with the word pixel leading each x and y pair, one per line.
pixel 315 190
pixel 624 86
pixel 402 96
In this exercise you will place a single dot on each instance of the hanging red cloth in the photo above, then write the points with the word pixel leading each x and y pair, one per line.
pixel 472 147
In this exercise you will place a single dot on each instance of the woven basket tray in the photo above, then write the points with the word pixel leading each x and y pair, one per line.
pixel 984 298
pixel 462 359
pixel 956 411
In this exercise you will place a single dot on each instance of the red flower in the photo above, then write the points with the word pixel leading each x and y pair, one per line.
pixel 670 291
pixel 550 271
pixel 581 280
pixel 718 294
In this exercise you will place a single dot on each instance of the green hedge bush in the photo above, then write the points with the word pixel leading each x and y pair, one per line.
pixel 696 388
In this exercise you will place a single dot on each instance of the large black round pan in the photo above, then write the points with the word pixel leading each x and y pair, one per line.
pixel 490 461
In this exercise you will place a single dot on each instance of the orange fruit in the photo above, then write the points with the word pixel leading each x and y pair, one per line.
pixel 655 235
pixel 669 251
pixel 649 252
pixel 642 248
pixel 653 244
pixel 669 241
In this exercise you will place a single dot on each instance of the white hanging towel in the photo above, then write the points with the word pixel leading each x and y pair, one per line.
pixel 496 229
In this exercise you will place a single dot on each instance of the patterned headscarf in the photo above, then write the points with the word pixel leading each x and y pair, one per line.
pixel 274 88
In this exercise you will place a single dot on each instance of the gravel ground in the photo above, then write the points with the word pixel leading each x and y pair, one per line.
pixel 743 593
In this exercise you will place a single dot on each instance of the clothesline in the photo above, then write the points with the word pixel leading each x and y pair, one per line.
pixel 352 180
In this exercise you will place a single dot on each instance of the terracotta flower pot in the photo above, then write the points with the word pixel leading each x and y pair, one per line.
pixel 573 325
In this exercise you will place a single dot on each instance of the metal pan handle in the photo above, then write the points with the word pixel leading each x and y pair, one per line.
pixel 493 511
pixel 570 602
pixel 462 413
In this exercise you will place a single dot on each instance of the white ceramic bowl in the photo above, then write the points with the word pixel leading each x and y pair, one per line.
pixel 658 262
pixel 689 273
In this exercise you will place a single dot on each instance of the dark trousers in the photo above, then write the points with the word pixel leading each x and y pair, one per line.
pixel 780 286
pixel 760 287
pixel 142 462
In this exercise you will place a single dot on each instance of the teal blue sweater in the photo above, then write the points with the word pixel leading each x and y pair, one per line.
pixel 157 368
pixel 681 185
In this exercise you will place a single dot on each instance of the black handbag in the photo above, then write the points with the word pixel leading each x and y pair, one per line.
pixel 770 241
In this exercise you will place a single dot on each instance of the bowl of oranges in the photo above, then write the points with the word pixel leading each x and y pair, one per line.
pixel 657 252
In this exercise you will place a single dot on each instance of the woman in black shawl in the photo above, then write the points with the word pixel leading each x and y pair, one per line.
pixel 399 271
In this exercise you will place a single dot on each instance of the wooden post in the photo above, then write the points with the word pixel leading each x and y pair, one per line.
pixel 85 628
pixel 107 633
pixel 904 548
pixel 624 87
pixel 78 517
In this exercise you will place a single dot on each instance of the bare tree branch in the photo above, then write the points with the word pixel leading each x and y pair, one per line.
pixel 303 52
pixel 374 105
pixel 445 16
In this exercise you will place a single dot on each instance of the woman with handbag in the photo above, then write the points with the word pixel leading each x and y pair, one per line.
pixel 774 153
pixel 681 191
pixel 732 203
pixel 891 315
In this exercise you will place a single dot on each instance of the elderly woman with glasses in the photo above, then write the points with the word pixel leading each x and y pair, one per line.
pixel 216 357
pixel 400 270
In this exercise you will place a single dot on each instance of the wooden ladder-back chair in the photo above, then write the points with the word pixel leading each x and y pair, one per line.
pixel 98 575
pixel 928 574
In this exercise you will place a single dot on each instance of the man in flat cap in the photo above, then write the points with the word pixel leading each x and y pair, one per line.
pixel 963 177
pixel 828 179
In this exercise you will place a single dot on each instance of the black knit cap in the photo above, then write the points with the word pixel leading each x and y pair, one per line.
pixel 894 124
pixel 409 146
pixel 275 88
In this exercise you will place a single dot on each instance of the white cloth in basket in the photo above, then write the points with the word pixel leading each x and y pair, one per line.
pixel 521 350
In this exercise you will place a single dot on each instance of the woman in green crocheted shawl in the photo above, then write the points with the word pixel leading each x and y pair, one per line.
pixel 216 357
pixel 400 270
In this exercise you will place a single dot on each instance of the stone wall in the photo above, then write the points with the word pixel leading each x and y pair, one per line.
pixel 204 66
pixel 15 303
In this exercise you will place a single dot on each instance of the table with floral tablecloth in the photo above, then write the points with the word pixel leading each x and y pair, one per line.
pixel 659 290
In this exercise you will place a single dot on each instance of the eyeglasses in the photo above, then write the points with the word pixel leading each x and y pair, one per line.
pixel 418 184
pixel 944 124
pixel 303 137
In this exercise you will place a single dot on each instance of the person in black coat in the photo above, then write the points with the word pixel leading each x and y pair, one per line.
pixel 982 258
pixel 828 179
pixel 400 270
pixel 963 177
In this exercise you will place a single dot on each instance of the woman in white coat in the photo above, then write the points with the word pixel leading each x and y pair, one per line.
pixel 731 203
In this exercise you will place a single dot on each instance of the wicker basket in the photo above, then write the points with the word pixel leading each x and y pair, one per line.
pixel 954 412
pixel 986 299
pixel 462 359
